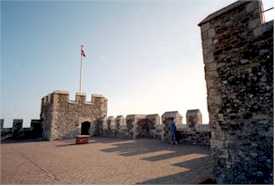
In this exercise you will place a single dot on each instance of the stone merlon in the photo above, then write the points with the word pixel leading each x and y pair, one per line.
pixel 225 10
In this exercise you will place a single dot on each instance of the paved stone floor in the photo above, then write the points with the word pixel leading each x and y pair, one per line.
pixel 103 161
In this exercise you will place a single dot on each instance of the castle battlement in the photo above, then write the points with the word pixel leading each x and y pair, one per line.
pixel 63 118
pixel 61 96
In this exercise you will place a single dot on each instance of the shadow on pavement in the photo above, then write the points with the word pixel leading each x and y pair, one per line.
pixel 194 159
pixel 109 139
pixel 143 146
pixel 198 172
pixel 8 141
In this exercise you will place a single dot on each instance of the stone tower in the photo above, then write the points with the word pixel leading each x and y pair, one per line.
pixel 64 118
pixel 238 62
pixel 193 118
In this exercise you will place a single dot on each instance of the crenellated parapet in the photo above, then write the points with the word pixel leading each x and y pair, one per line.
pixel 131 123
pixel 63 118
pixel 17 126
pixel 62 97
pixel 17 131
pixel 120 121
pixel 141 125
pixel 111 123
pixel 193 118
pixel 175 115
pixel 1 123
pixel 154 118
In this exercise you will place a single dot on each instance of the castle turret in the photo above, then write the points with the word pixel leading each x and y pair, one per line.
pixel 63 118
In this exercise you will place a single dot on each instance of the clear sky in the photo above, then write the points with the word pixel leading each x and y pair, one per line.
pixel 145 56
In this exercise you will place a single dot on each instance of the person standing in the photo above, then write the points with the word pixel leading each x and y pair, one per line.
pixel 173 130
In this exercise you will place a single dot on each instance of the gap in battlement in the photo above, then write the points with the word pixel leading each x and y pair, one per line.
pixel 72 96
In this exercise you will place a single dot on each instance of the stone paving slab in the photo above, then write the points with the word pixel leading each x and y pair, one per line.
pixel 104 161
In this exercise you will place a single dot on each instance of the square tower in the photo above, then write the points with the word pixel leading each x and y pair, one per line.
pixel 63 118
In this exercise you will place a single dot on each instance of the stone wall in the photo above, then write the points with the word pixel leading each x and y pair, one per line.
pixel 199 134
pixel 115 127
pixel 18 132
pixel 165 121
pixel 36 128
pixel 238 62
pixel 136 126
pixel 193 117
pixel 119 123
pixel 133 126
pixel 110 126
pixel 172 114
pixel 62 118
pixel 131 123
pixel 1 123
pixel 17 127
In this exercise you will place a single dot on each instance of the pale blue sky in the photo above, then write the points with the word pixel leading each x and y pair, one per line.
pixel 143 55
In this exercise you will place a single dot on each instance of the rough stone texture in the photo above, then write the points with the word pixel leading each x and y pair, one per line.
pixel 131 123
pixel 18 132
pixel 149 126
pixel 17 126
pixel 111 122
pixel 143 127
pixel 62 118
pixel 110 126
pixel 157 132
pixel 154 118
pixel 172 114
pixel 97 128
pixel 155 127
pixel 1 123
pixel 200 134
pixel 120 121
pixel 193 117
pixel 6 133
pixel 36 128
pixel 238 59
pixel 133 126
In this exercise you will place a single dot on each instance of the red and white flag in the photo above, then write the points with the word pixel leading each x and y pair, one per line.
pixel 82 53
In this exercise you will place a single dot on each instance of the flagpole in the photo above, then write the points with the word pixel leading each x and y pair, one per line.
pixel 80 79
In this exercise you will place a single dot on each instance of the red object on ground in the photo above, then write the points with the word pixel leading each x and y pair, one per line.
pixel 82 139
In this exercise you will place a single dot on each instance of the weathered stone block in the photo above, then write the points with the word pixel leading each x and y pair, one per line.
pixel 17 127
pixel 172 114
pixel 1 123
pixel 111 122
pixel 193 118
pixel 63 118
pixel 80 98
pixel 240 101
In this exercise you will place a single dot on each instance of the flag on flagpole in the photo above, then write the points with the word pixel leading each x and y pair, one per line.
pixel 82 51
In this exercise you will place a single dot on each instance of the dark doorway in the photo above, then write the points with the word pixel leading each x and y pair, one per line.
pixel 85 128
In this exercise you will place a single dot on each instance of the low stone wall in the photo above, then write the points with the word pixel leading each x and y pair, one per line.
pixel 133 126
pixel 193 117
pixel 149 126
pixel 193 132
pixel 18 132
pixel 116 127
pixel 1 123
pixel 157 132
pixel 195 135
pixel 177 117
